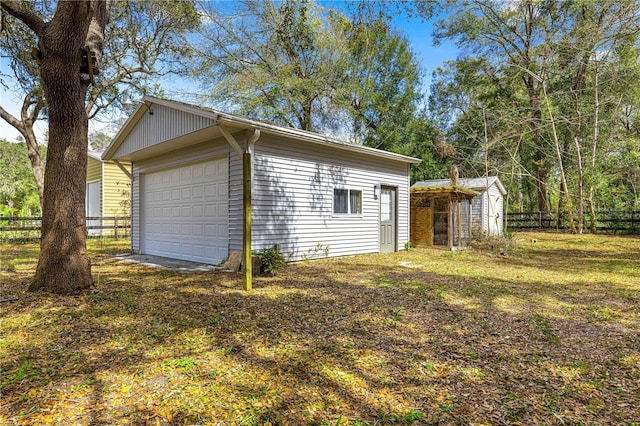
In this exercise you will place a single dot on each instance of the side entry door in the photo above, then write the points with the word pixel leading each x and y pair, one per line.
pixel 388 220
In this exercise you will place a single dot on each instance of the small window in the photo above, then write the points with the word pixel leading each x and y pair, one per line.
pixel 347 201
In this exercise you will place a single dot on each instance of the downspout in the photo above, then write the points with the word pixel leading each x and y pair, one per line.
pixel 247 173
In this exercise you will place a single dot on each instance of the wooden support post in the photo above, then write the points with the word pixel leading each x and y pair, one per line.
pixel 459 207
pixel 450 219
pixel 124 169
pixel 247 269
pixel 470 220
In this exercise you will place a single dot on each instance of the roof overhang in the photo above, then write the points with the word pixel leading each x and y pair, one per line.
pixel 443 191
pixel 94 154
pixel 230 122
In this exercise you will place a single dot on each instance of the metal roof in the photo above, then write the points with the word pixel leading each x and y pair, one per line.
pixel 245 123
pixel 441 190
pixel 478 184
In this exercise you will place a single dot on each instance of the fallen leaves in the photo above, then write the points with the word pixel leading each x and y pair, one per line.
pixel 548 334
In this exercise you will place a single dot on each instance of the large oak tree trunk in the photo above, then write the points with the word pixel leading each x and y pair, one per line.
pixel 63 266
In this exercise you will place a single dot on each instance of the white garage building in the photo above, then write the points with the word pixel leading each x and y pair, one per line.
pixel 307 190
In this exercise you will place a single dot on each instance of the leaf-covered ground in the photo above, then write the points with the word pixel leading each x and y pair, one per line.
pixel 548 332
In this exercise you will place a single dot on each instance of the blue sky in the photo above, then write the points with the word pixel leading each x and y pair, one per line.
pixel 418 33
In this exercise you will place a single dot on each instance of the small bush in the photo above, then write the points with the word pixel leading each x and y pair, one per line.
pixel 492 242
pixel 317 251
pixel 271 260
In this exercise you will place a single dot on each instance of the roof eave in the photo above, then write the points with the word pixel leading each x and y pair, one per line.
pixel 452 189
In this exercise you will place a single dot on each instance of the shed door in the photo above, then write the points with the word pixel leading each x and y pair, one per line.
pixel 494 216
pixel 388 214
pixel 92 207
pixel 185 212
pixel 424 226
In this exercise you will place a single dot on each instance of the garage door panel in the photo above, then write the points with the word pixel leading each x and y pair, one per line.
pixel 197 192
pixel 185 212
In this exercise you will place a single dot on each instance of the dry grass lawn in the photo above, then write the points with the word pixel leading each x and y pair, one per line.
pixel 548 333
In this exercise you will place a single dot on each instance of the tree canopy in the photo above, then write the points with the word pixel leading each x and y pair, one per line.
pixel 144 41
pixel 544 94
pixel 301 65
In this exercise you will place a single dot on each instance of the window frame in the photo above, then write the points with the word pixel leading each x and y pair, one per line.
pixel 349 212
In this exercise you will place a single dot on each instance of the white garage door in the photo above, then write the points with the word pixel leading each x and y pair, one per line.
pixel 185 212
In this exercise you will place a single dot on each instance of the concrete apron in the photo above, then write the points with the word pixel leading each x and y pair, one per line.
pixel 175 265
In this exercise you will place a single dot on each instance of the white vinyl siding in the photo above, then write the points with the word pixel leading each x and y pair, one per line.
pixel 478 215
pixel 236 210
pixel 163 125
pixel 293 178
pixel 293 195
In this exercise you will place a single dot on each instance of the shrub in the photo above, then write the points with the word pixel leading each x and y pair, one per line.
pixel 493 242
pixel 271 260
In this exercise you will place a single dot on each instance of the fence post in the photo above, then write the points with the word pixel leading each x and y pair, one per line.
pixel 539 221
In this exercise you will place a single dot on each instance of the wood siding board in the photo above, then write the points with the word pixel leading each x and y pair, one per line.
pixel 495 197
pixel 94 169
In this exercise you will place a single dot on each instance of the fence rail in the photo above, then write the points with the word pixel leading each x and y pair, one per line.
pixel 606 222
pixel 97 226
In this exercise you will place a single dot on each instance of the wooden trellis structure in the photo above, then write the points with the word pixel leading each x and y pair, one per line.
pixel 441 215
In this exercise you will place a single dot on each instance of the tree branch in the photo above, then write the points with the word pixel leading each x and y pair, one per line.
pixel 30 99
pixel 99 90
pixel 6 116
pixel 19 11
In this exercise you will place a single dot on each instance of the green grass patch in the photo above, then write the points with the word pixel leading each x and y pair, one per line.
pixel 545 335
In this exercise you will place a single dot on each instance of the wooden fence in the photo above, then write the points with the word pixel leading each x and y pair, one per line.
pixel 24 228
pixel 607 222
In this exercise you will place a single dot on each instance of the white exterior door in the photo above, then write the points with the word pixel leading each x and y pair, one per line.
pixel 388 214
pixel 92 207
pixel 185 212
pixel 495 215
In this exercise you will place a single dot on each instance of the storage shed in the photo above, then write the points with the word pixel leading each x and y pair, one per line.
pixel 487 205
pixel 440 216
pixel 207 183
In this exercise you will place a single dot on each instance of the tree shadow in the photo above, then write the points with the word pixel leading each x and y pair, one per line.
pixel 350 337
